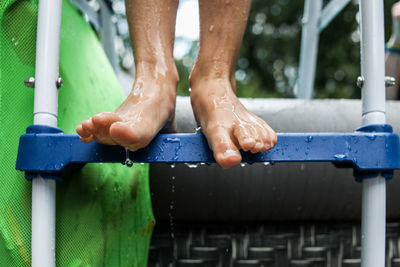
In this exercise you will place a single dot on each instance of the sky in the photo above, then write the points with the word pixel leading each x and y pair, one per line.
pixel 187 26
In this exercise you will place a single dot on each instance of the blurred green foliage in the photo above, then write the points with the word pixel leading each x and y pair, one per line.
pixel 269 56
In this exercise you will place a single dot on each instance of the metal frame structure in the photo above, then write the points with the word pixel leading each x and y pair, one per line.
pixel 45 113
pixel 103 22
pixel 315 19
pixel 373 98
pixel 373 111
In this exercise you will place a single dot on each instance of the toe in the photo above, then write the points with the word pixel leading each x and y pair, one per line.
pixel 271 138
pixel 102 123
pixel 127 135
pixel 88 126
pixel 225 151
pixel 243 138
pixel 82 132
pixel 86 139
pixel 257 134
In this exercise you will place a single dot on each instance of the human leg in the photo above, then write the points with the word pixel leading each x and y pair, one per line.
pixel 151 104
pixel 227 124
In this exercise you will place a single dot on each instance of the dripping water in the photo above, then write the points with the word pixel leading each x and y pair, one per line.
pixel 171 208
pixel 128 161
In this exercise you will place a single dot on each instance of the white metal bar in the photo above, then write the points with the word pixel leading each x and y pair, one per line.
pixel 108 35
pixel 309 48
pixel 372 62
pixel 330 11
pixel 92 15
pixel 373 112
pixel 45 113
pixel 373 222
pixel 43 222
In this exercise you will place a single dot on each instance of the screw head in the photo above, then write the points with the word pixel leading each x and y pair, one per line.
pixel 30 82
pixel 360 81
pixel 59 82
pixel 390 81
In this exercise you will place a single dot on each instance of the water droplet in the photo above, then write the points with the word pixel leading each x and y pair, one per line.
pixel 230 152
pixel 302 167
pixel 172 165
pixel 171 207
pixel 197 129
pixel 172 140
pixel 309 139
pixel 266 163
pixel 242 164
pixel 190 89
pixel 340 156
pixel 191 165
pixel 128 161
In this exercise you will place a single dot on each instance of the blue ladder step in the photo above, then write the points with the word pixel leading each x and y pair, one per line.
pixel 374 147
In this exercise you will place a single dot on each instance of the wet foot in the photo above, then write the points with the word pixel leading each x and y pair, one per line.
pixel 226 123
pixel 149 108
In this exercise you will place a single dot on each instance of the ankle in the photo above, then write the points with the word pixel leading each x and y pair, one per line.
pixel 209 71
pixel 165 70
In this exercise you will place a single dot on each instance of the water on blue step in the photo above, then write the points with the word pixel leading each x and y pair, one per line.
pixel 172 140
pixel 340 156
pixel 192 165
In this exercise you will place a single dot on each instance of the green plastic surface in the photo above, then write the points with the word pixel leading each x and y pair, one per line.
pixel 103 212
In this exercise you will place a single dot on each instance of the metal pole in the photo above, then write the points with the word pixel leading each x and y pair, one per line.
pixel 330 11
pixel 309 48
pixel 108 35
pixel 45 113
pixel 373 112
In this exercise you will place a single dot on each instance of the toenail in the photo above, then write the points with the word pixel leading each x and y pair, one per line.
pixel 230 152
pixel 258 145
pixel 249 140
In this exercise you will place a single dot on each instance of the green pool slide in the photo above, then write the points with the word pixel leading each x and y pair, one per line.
pixel 103 212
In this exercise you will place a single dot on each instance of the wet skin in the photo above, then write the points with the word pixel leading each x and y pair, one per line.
pixel 226 123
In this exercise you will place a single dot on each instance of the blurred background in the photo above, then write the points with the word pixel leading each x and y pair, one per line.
pixel 269 56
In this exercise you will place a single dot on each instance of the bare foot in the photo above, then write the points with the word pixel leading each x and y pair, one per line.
pixel 226 123
pixel 149 107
